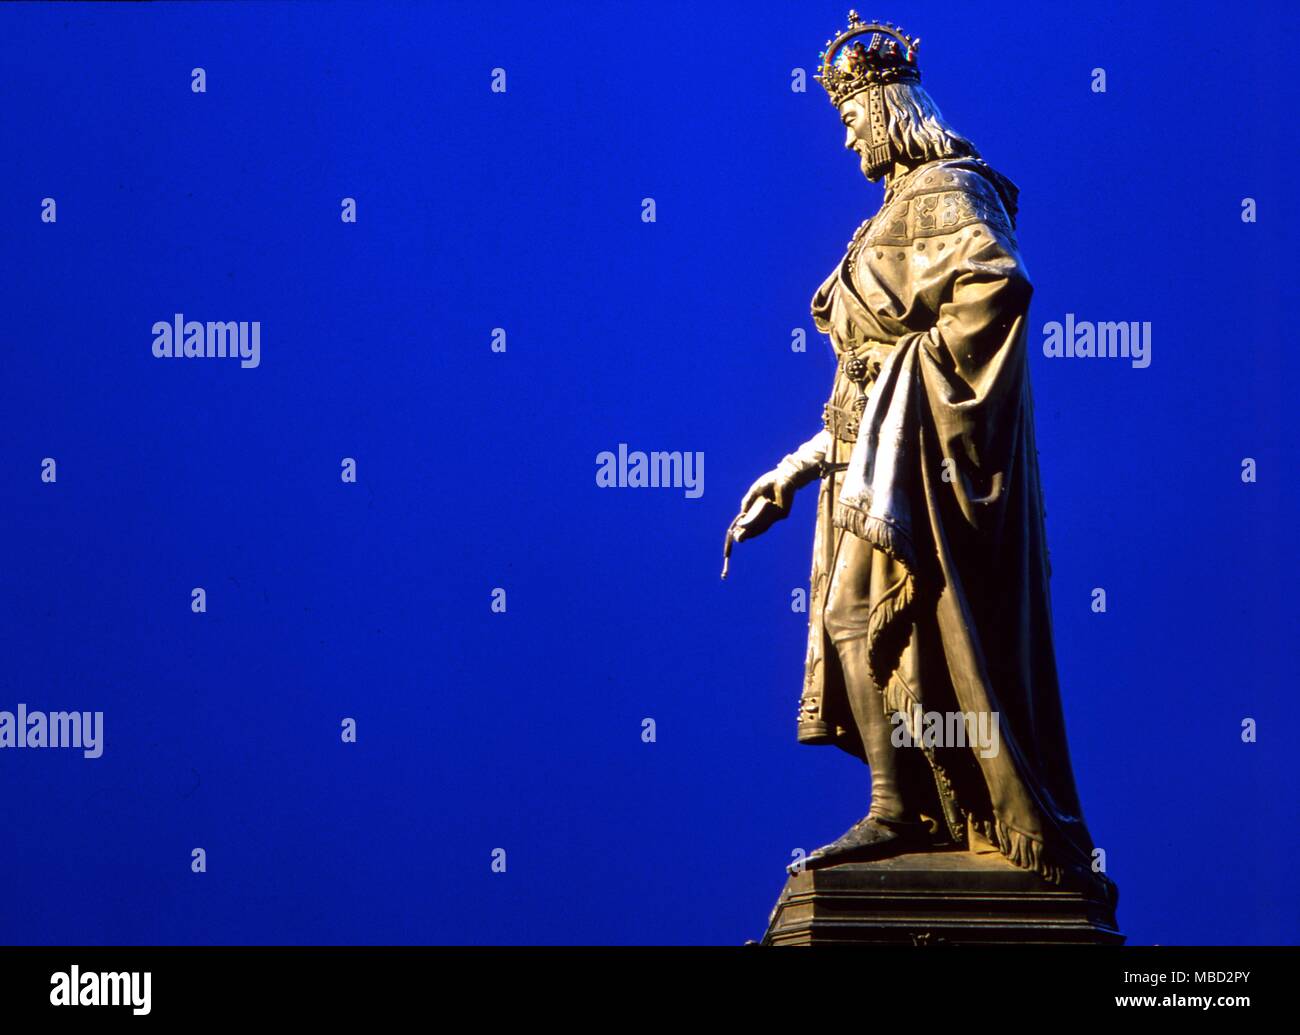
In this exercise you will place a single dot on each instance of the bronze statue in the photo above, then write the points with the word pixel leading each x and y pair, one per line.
pixel 929 591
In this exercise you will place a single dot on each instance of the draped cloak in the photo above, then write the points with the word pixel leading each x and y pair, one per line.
pixel 943 482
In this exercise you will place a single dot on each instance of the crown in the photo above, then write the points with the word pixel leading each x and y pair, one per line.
pixel 866 54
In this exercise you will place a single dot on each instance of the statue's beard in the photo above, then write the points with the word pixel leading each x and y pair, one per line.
pixel 873 173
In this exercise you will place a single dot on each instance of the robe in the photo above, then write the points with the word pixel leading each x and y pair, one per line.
pixel 940 475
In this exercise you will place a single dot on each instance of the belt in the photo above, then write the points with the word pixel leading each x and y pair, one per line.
pixel 842 423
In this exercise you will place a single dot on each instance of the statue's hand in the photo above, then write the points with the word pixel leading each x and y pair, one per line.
pixel 774 486
pixel 769 498
pixel 767 502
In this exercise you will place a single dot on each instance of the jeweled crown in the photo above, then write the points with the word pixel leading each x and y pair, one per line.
pixel 867 54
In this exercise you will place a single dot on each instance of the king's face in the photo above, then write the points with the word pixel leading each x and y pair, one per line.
pixel 857 136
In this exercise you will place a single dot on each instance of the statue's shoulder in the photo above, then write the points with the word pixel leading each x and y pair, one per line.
pixel 966 175
pixel 943 197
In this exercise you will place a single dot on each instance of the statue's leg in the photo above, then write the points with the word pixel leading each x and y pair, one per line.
pixel 892 824
pixel 848 607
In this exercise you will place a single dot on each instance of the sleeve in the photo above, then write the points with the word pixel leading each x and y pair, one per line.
pixel 803 465
pixel 985 306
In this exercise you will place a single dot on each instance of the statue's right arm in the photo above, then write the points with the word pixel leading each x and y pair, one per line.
pixel 795 470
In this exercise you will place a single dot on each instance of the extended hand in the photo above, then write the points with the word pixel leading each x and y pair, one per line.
pixel 767 502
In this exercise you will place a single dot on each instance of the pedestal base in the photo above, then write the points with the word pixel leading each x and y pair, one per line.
pixel 936 898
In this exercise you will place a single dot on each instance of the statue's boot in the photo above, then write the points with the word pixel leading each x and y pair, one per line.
pixel 870 838
pixel 890 827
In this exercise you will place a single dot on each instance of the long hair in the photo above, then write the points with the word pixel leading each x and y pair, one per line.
pixel 918 130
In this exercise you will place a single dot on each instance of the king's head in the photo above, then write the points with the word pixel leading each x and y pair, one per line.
pixel 856 66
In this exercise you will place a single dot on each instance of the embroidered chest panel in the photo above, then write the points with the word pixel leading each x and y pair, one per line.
pixel 940 203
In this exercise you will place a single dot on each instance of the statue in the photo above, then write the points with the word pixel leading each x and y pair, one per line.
pixel 929 592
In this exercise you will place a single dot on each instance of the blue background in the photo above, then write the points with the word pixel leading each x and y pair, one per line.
pixel 476 470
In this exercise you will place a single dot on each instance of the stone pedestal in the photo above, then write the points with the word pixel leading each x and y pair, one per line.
pixel 936 898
